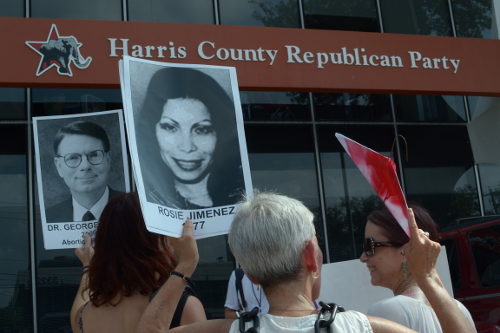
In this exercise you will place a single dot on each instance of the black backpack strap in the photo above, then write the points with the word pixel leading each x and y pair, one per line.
pixel 330 308
pixel 239 286
pixel 247 316
pixel 176 319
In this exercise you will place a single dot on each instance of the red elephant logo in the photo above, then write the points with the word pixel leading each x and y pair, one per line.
pixel 59 52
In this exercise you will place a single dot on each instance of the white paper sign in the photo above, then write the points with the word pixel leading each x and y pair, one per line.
pixel 81 163
pixel 347 283
pixel 187 144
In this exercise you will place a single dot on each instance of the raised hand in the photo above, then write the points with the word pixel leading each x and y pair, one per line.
pixel 86 253
pixel 187 249
pixel 421 252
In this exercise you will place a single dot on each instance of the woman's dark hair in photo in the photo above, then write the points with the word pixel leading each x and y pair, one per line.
pixel 128 258
pixel 393 231
pixel 226 175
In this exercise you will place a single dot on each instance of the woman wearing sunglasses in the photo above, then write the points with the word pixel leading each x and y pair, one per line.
pixel 384 255
pixel 273 238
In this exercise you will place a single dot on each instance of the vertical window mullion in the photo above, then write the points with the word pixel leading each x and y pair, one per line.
pixel 125 10
pixel 301 15
pixel 31 210
pixel 216 12
pixel 379 11
pixel 319 172
pixel 452 19
pixel 398 148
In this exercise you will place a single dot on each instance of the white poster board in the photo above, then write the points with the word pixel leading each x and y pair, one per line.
pixel 81 163
pixel 187 144
pixel 347 283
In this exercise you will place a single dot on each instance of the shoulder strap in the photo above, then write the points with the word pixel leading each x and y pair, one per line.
pixel 239 286
pixel 176 319
pixel 80 321
pixel 247 316
pixel 330 308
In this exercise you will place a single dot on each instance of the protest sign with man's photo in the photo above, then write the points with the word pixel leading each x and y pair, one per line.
pixel 188 149
pixel 81 163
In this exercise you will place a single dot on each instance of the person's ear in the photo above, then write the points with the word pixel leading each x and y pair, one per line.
pixel 310 256
pixel 107 157
pixel 252 280
pixel 57 162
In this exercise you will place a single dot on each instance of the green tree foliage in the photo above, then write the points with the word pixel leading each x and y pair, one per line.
pixel 473 18
pixel 464 202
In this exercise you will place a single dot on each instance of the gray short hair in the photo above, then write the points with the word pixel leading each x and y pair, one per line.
pixel 268 235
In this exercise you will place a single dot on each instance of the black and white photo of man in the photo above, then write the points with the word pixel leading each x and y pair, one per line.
pixel 82 160
pixel 81 163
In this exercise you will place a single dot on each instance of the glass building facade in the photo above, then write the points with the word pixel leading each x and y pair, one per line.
pixel 290 137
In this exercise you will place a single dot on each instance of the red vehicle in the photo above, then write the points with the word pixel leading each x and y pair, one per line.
pixel 473 250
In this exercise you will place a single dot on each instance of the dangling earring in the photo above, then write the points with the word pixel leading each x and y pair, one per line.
pixel 405 266
pixel 315 275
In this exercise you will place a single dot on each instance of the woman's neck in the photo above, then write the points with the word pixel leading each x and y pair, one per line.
pixel 290 300
pixel 405 287
pixel 195 193
pixel 411 289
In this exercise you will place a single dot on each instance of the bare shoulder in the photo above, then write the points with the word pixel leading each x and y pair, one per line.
pixel 380 325
pixel 195 312
pixel 209 326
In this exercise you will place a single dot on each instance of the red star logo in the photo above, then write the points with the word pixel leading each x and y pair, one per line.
pixel 59 52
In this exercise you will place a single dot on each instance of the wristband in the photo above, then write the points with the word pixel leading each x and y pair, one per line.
pixel 85 267
pixel 85 271
pixel 184 277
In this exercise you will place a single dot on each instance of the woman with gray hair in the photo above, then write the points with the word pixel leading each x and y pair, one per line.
pixel 273 238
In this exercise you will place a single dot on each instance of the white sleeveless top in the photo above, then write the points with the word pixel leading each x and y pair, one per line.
pixel 411 313
pixel 349 321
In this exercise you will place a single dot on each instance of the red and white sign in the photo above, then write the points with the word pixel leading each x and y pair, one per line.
pixel 380 171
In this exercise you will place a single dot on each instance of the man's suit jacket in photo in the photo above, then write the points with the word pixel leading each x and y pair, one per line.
pixel 63 211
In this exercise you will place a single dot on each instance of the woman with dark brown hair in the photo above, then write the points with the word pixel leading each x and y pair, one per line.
pixel 128 266
pixel 385 257
pixel 187 141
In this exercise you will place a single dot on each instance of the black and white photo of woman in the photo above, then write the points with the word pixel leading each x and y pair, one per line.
pixel 187 141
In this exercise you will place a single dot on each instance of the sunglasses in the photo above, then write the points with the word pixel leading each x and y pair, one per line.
pixel 369 245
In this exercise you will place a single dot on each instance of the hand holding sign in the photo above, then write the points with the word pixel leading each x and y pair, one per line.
pixel 380 171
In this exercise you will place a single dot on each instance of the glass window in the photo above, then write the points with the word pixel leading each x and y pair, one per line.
pixel 264 105
pixel 473 18
pixel 464 201
pixel 12 8
pixel 282 160
pixel 59 271
pixel 437 173
pixel 15 273
pixel 212 274
pixel 353 15
pixel 52 102
pixel 260 13
pixel 489 174
pixel 88 10
pixel 429 108
pixel 174 11
pixel 416 17
pixel 349 198
pixel 480 104
pixel 454 263
pixel 485 246
pixel 352 107
pixel 12 103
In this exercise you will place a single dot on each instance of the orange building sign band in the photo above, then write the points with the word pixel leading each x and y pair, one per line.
pixel 84 53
